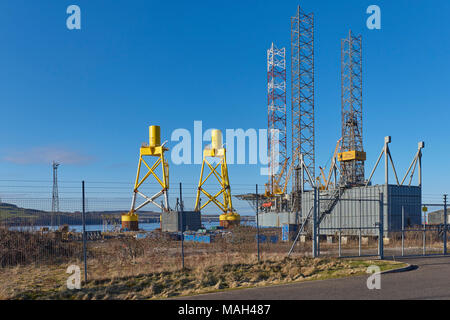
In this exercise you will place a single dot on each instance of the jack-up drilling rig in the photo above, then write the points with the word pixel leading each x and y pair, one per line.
pixel 352 156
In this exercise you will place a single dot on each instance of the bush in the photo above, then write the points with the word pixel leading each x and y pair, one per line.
pixel 20 248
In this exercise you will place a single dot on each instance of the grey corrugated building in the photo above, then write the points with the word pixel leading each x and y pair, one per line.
pixel 356 207
pixel 360 207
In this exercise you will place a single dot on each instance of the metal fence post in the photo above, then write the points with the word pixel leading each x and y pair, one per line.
pixel 314 229
pixel 445 224
pixel 257 223
pixel 318 224
pixel 340 225
pixel 360 223
pixel 424 243
pixel 381 227
pixel 83 217
pixel 182 226
pixel 403 231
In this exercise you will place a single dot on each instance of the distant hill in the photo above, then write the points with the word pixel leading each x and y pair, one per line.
pixel 8 211
pixel 14 215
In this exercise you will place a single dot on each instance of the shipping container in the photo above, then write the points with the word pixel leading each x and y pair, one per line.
pixel 437 217
pixel 277 219
pixel 289 232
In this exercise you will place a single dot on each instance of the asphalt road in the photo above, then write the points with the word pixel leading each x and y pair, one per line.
pixel 430 280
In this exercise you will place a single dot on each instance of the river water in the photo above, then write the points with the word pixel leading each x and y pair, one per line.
pixel 99 227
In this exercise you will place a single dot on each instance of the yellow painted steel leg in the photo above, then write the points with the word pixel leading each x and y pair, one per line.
pixel 156 150
pixel 228 217
pixel 197 199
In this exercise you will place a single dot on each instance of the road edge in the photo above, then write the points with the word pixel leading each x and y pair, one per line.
pixel 409 267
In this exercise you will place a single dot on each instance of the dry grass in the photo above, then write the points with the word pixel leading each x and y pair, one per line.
pixel 19 279
pixel 125 268
pixel 415 239
pixel 22 248
pixel 49 282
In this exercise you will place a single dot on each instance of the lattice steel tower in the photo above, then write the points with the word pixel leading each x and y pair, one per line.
pixel 302 95
pixel 352 156
pixel 55 196
pixel 277 135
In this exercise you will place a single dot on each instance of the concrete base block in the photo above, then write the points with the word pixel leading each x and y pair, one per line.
pixel 171 221
pixel 302 239
pixel 365 241
pixel 344 240
pixel 330 239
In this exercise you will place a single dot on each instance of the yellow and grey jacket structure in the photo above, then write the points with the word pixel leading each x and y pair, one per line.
pixel 155 150
pixel 229 217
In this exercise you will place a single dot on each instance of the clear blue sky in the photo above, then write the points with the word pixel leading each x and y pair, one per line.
pixel 87 96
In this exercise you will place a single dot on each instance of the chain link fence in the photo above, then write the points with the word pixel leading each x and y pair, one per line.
pixel 32 235
pixel 429 237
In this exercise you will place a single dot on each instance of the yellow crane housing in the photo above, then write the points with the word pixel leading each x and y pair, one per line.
pixel 229 217
pixel 156 150
pixel 352 155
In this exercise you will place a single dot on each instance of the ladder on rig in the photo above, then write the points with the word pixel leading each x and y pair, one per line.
pixel 328 208
pixel 329 204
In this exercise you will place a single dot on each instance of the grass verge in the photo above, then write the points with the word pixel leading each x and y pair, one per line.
pixel 50 282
